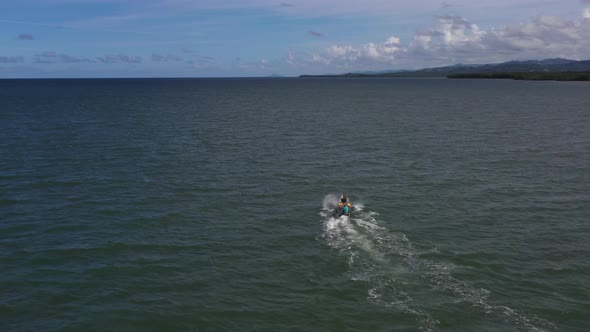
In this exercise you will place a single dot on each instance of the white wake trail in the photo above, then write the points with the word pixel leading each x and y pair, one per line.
pixel 394 270
pixel 372 257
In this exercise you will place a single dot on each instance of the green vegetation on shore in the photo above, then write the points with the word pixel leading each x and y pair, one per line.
pixel 538 76
pixel 396 74
pixel 550 76
pixel 548 69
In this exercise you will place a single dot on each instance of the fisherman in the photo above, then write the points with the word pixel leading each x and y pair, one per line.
pixel 344 199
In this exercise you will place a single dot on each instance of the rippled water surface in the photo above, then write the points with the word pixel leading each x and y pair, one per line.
pixel 204 205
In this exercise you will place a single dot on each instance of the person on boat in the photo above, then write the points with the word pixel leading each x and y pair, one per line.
pixel 346 210
pixel 344 199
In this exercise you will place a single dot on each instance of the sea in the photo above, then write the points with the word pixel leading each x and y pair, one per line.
pixel 206 205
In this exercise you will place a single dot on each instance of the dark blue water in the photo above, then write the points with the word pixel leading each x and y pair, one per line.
pixel 204 205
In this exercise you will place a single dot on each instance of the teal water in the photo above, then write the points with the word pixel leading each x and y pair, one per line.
pixel 204 205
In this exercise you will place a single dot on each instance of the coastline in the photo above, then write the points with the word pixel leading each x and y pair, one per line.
pixel 533 76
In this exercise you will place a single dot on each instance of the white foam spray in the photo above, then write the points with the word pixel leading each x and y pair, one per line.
pixel 368 247
pixel 390 264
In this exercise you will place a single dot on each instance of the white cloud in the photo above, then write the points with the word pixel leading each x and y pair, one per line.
pixel 345 56
pixel 11 59
pixel 290 58
pixel 457 31
pixel 51 57
pixel 453 39
pixel 166 58
pixel 205 62
pixel 119 58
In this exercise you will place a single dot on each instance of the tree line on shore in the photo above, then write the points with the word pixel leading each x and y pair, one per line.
pixel 548 69
pixel 553 76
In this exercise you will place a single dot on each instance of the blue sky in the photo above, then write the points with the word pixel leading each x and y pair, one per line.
pixel 179 38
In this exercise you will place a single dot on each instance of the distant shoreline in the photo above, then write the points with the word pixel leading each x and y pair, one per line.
pixel 535 76
pixel 402 74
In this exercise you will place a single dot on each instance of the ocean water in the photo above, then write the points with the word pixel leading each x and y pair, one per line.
pixel 204 205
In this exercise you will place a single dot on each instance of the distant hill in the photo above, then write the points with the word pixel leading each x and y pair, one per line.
pixel 529 66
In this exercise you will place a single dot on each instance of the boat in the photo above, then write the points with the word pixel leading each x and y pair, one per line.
pixel 343 208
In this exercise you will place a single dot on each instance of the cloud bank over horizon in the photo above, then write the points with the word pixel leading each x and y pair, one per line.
pixel 153 38
pixel 453 39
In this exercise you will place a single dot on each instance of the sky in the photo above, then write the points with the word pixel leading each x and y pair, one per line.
pixel 239 38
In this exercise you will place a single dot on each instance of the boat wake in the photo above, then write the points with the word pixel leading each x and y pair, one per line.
pixel 403 277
